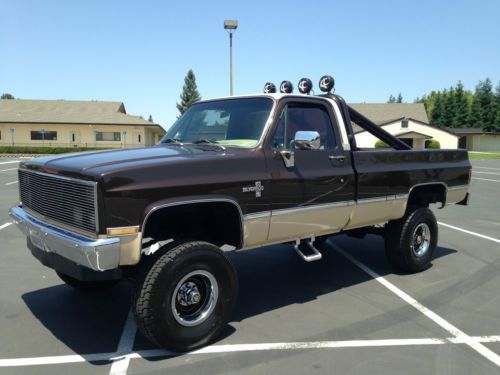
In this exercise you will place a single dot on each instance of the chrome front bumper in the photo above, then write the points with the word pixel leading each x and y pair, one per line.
pixel 98 254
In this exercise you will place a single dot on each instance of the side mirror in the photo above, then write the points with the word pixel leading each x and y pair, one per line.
pixel 306 140
pixel 303 140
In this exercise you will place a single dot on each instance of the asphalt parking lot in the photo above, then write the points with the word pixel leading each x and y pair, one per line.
pixel 348 313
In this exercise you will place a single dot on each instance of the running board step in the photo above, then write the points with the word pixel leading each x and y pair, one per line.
pixel 315 254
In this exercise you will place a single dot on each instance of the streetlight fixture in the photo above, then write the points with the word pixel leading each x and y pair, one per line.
pixel 230 26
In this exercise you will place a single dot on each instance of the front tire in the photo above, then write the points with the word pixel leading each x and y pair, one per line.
pixel 410 242
pixel 187 297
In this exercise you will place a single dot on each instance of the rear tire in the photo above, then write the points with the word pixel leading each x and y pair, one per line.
pixel 410 242
pixel 87 285
pixel 187 297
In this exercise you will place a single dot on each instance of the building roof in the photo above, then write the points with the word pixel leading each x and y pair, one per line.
pixel 412 134
pixel 470 131
pixel 67 112
pixel 381 113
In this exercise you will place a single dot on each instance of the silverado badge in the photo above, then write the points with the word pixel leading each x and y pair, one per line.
pixel 258 188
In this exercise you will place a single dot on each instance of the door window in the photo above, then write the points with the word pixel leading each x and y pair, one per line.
pixel 304 117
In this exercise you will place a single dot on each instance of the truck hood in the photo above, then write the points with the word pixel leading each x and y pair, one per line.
pixel 94 163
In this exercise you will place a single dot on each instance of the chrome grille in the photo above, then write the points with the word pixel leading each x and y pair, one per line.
pixel 65 200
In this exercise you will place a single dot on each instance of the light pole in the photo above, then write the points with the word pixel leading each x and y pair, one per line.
pixel 230 26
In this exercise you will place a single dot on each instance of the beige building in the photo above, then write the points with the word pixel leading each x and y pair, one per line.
pixel 474 139
pixel 69 123
pixel 406 121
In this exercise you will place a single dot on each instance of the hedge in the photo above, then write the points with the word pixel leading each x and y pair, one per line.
pixel 45 150
pixel 432 143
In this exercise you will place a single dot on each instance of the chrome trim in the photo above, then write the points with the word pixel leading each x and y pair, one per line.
pixel 93 184
pixel 97 254
pixel 372 200
pixel 257 215
pixel 458 187
pixel 286 211
pixel 194 201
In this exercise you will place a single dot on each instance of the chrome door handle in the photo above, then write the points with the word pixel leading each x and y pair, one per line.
pixel 337 157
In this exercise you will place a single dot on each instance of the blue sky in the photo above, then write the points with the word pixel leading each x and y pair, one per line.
pixel 138 52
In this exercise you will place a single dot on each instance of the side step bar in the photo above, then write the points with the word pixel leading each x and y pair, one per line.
pixel 315 254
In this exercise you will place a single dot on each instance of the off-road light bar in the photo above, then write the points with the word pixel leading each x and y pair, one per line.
pixel 305 86
pixel 286 87
pixel 269 88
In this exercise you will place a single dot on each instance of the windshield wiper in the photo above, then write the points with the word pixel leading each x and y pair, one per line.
pixel 172 140
pixel 208 141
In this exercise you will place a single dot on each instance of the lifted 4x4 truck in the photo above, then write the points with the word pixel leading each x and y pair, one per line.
pixel 240 173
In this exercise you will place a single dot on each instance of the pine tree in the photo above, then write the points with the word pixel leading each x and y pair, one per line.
pixel 476 114
pixel 486 99
pixel 449 108
pixel 190 94
pixel 392 99
pixel 150 118
pixel 437 111
pixel 461 107
pixel 497 117
pixel 400 98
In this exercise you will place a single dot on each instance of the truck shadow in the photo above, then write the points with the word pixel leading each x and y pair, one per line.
pixel 270 278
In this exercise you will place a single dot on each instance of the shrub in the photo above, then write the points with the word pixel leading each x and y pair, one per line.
pixel 432 143
pixel 380 144
pixel 44 150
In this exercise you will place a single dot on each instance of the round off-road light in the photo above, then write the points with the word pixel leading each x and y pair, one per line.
pixel 269 88
pixel 326 83
pixel 286 87
pixel 305 85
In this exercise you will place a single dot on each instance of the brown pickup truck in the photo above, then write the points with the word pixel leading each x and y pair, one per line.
pixel 234 174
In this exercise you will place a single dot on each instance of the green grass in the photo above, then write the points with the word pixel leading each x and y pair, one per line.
pixel 484 155
pixel 44 150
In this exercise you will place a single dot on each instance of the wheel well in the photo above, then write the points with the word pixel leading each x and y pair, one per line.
pixel 219 223
pixel 426 194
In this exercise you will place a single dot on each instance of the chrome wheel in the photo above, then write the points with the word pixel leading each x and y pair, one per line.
pixel 194 298
pixel 421 239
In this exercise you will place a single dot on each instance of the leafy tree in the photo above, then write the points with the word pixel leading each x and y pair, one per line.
pixel 400 98
pixel 392 99
pixel 190 94
pixel 7 96
pixel 150 118
pixel 461 107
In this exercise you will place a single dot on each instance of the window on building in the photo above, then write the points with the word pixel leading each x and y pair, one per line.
pixel 404 123
pixel 37 135
pixel 139 138
pixel 107 136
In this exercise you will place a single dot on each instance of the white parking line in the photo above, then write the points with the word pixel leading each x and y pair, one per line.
pixel 5 225
pixel 10 169
pixel 11 183
pixel 469 232
pixel 237 348
pixel 484 179
pixel 496 174
pixel 122 358
pixel 496 169
pixel 10 162
pixel 468 340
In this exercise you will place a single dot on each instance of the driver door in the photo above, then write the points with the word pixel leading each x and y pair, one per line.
pixel 315 195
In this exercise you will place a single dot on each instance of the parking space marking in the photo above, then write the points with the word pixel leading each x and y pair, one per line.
pixel 469 232
pixel 236 348
pixel 10 169
pixel 496 169
pixel 484 179
pixel 496 174
pixel 11 183
pixel 5 225
pixel 125 346
pixel 10 162
pixel 468 340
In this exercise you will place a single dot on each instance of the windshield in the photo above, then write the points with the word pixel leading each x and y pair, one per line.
pixel 230 122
